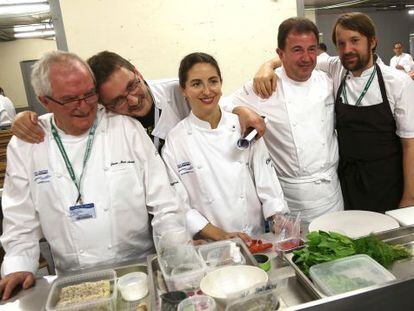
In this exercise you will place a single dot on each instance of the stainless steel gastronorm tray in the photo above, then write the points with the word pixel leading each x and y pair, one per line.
pixel 156 282
pixel 402 269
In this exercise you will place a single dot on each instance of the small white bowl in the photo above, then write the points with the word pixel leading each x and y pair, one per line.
pixel 133 286
pixel 227 283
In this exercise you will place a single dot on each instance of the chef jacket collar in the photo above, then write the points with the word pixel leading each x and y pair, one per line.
pixel 365 73
pixel 282 74
pixel 204 124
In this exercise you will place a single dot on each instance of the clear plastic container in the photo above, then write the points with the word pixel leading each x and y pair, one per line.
pixel 261 301
pixel 197 303
pixel 221 253
pixel 104 303
pixel 133 286
pixel 349 273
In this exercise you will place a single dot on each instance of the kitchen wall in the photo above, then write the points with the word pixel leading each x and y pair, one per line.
pixel 156 34
pixel 11 54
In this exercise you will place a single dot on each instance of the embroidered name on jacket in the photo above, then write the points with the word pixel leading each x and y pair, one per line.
pixel 185 168
pixel 41 176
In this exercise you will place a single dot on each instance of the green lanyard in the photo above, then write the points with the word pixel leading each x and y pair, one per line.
pixel 364 91
pixel 66 159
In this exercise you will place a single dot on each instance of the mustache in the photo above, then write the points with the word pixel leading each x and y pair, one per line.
pixel 350 54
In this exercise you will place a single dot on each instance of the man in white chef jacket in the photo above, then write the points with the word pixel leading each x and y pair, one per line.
pixel 87 188
pixel 401 61
pixel 300 132
pixel 158 104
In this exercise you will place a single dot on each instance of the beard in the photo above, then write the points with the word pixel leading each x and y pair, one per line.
pixel 361 62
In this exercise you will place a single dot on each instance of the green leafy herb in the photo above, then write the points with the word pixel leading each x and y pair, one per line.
pixel 324 247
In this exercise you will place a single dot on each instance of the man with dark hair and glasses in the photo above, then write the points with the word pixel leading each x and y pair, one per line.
pixel 88 188
pixel 158 104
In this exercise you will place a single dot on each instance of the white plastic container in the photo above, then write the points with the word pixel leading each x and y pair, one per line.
pixel 221 253
pixel 107 303
pixel 133 286
pixel 349 273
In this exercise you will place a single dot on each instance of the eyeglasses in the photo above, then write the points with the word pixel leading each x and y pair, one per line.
pixel 91 98
pixel 123 99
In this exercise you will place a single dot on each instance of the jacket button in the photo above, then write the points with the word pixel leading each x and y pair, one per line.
pixel 199 167
pixel 81 251
pixel 109 246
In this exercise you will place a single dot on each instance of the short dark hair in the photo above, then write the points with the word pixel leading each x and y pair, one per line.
pixel 1 91
pixel 296 24
pixel 192 59
pixel 355 21
pixel 322 47
pixel 105 63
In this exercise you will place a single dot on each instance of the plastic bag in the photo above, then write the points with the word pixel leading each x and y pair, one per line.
pixel 287 231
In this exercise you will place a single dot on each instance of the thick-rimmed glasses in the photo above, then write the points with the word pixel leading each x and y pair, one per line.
pixel 90 98
pixel 123 99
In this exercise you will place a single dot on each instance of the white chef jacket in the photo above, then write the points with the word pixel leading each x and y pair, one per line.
pixel 232 189
pixel 301 140
pixel 399 87
pixel 404 60
pixel 119 179
pixel 322 56
pixel 7 111
pixel 169 100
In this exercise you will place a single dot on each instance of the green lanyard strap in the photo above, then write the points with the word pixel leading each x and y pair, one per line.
pixel 86 156
pixel 364 91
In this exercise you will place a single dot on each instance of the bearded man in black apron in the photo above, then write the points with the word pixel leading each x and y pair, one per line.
pixel 374 120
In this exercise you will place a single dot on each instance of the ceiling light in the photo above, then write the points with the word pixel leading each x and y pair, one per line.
pixel 411 12
pixel 35 34
pixel 11 2
pixel 34 27
pixel 24 9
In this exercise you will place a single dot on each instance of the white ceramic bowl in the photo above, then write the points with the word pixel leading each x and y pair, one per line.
pixel 133 286
pixel 232 282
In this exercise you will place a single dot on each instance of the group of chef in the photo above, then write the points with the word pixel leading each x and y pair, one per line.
pixel 60 160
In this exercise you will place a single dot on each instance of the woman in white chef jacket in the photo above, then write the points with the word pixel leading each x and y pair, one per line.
pixel 228 192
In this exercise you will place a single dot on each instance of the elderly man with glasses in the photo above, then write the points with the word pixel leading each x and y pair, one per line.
pixel 159 104
pixel 87 188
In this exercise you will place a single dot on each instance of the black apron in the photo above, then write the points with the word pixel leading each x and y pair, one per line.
pixel 370 154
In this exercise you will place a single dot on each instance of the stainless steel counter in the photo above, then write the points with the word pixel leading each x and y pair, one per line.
pixel 396 295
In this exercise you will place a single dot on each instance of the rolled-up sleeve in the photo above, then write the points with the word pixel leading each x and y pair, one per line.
pixel 21 225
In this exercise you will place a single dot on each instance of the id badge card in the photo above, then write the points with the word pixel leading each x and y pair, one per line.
pixel 82 211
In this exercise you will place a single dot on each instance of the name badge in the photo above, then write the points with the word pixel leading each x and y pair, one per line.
pixel 82 211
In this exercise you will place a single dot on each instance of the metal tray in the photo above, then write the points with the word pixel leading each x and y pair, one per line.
pixel 401 269
pixel 156 283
